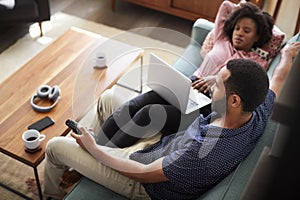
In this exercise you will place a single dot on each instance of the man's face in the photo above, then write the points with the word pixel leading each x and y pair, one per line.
pixel 219 101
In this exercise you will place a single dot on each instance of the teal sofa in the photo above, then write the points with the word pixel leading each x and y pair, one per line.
pixel 233 185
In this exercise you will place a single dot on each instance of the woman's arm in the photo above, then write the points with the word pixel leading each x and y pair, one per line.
pixel 150 173
pixel 203 84
pixel 224 10
pixel 218 33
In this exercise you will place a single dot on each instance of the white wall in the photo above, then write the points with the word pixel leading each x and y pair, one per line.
pixel 287 15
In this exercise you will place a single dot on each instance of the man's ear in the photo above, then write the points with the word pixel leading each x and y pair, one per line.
pixel 235 101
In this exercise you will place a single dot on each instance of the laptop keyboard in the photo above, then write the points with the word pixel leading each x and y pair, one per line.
pixel 191 104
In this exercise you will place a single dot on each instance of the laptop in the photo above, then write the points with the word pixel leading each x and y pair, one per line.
pixel 173 86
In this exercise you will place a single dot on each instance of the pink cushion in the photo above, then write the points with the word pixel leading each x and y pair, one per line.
pixel 273 46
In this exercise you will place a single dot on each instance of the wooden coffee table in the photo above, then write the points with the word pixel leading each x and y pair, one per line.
pixel 68 62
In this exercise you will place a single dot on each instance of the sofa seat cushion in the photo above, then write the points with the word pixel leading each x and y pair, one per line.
pixel 88 189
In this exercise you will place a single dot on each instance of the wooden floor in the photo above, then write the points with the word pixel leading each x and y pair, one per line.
pixel 126 16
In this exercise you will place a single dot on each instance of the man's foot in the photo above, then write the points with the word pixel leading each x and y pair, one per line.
pixel 32 186
pixel 69 178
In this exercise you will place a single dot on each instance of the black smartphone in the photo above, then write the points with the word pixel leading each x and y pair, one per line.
pixel 42 124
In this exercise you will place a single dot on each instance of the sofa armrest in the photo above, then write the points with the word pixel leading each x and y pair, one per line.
pixel 190 59
pixel 200 30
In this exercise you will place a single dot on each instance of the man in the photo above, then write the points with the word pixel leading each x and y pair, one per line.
pixel 186 164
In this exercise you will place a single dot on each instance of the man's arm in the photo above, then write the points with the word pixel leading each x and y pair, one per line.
pixel 150 173
pixel 283 68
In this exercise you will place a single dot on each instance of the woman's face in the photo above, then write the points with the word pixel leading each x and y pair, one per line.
pixel 244 34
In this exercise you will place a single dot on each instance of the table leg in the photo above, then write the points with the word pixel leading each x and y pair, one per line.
pixel 113 5
pixel 38 182
pixel 14 191
pixel 41 29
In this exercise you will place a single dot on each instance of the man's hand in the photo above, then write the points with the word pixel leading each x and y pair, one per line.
pixel 290 50
pixel 150 173
pixel 85 140
pixel 283 68
pixel 204 84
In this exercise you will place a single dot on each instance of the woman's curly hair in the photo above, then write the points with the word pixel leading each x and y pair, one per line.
pixel 263 20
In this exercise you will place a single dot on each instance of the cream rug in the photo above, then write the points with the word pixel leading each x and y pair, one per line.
pixel 14 173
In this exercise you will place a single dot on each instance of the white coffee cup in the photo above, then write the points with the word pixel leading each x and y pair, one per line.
pixel 100 60
pixel 32 138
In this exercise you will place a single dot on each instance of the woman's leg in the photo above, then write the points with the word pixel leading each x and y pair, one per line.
pixel 148 121
pixel 110 100
pixel 140 117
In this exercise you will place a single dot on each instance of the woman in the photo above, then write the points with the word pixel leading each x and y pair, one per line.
pixel 236 36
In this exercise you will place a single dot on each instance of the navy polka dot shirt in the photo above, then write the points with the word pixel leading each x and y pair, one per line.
pixel 200 157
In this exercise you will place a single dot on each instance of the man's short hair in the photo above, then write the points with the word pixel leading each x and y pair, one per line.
pixel 248 80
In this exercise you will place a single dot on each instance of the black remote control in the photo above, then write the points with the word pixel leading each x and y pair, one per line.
pixel 73 125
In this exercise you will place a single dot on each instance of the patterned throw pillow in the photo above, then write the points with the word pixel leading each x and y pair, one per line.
pixel 272 47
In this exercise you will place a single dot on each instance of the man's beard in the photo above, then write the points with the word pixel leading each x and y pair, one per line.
pixel 219 106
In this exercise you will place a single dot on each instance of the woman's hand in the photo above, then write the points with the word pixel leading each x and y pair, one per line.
pixel 242 2
pixel 203 84
pixel 85 140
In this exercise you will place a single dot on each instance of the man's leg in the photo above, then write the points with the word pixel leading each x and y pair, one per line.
pixel 64 152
